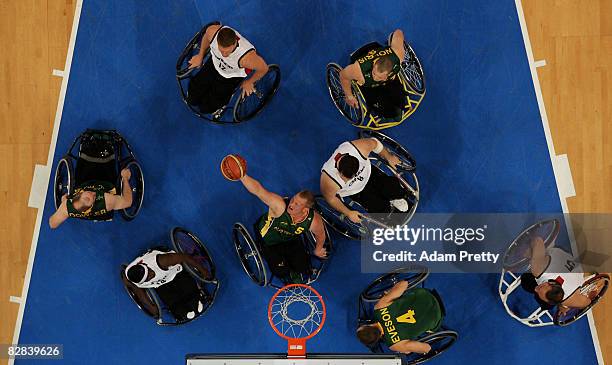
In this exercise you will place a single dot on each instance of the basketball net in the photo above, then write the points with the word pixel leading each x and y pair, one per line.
pixel 296 330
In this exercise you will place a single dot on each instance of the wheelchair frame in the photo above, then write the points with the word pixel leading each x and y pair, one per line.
pixel 203 284
pixel 236 102
pixel 341 224
pixel 264 276
pixel 121 161
pixel 416 276
pixel 361 117
pixel 510 280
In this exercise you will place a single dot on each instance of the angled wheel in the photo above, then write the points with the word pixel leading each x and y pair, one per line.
pixel 249 255
pixel 594 288
pixel 414 275
pixel 411 68
pixel 439 342
pixel 137 185
pixel 266 87
pixel 64 180
pixel 517 256
pixel 136 301
pixel 339 222
pixel 408 163
pixel 332 78
pixel 186 242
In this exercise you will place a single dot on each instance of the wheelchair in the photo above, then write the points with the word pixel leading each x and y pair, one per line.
pixel 440 340
pixel 188 285
pixel 406 173
pixel 241 109
pixel 411 77
pixel 251 257
pixel 516 262
pixel 102 154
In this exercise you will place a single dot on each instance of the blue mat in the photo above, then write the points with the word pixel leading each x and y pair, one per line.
pixel 477 137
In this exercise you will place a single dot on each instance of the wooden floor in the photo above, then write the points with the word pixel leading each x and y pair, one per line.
pixel 573 36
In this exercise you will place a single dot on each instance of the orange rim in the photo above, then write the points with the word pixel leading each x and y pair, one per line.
pixel 289 287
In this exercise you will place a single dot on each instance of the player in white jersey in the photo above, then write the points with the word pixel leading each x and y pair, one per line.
pixel 348 173
pixel 233 59
pixel 555 277
pixel 155 269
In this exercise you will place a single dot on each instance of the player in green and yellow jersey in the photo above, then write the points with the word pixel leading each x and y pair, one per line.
pixel 376 74
pixel 401 317
pixel 281 226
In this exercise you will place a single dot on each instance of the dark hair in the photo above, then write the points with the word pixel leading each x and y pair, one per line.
pixel 75 198
pixel 384 64
pixel 348 166
pixel 555 294
pixel 226 37
pixel 368 334
pixel 308 196
pixel 136 273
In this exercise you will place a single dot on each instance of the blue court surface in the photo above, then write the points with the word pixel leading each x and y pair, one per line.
pixel 477 137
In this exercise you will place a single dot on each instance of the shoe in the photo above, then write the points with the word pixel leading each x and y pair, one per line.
pixel 200 306
pixel 400 204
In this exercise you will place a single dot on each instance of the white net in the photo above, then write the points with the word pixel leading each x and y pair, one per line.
pixel 297 311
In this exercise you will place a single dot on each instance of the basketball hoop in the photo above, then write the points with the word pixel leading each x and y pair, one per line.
pixel 296 313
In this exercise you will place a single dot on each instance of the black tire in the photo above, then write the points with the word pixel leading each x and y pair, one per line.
pixel 514 259
pixel 64 180
pixel 137 185
pixel 573 315
pixel 249 255
pixel 186 242
pixel 415 275
pixel 332 78
pixel 248 107
pixel 439 342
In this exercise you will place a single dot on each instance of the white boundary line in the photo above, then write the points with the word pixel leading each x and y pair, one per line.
pixel 553 158
pixel 56 125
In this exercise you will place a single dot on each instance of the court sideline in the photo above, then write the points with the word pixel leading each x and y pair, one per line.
pixel 576 48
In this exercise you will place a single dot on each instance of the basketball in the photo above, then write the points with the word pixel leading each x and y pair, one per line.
pixel 233 167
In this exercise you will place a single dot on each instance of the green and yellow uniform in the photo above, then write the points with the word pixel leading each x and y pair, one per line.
pixel 282 229
pixel 98 210
pixel 409 316
pixel 366 64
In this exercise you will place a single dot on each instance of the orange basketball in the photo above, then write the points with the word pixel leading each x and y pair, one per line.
pixel 233 167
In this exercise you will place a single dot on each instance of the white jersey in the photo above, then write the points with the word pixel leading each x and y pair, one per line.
pixel 357 183
pixel 230 66
pixel 560 269
pixel 161 276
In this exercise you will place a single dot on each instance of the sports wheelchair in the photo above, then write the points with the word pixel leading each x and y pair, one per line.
pixel 516 262
pixel 102 154
pixel 242 109
pixel 411 77
pixel 406 173
pixel 439 340
pixel 251 257
pixel 189 286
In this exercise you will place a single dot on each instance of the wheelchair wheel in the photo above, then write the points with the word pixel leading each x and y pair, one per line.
pixel 408 163
pixel 439 342
pixel 137 301
pixel 412 69
pixel 594 288
pixel 246 108
pixel 339 222
pixel 332 78
pixel 516 257
pixel 186 242
pixel 64 180
pixel 414 275
pixel 137 185
pixel 249 255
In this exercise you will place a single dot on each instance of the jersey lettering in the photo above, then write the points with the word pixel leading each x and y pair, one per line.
pixel 408 317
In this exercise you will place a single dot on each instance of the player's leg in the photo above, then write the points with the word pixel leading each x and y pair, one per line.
pixel 201 85
pixel 297 257
pixel 276 261
pixel 393 102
